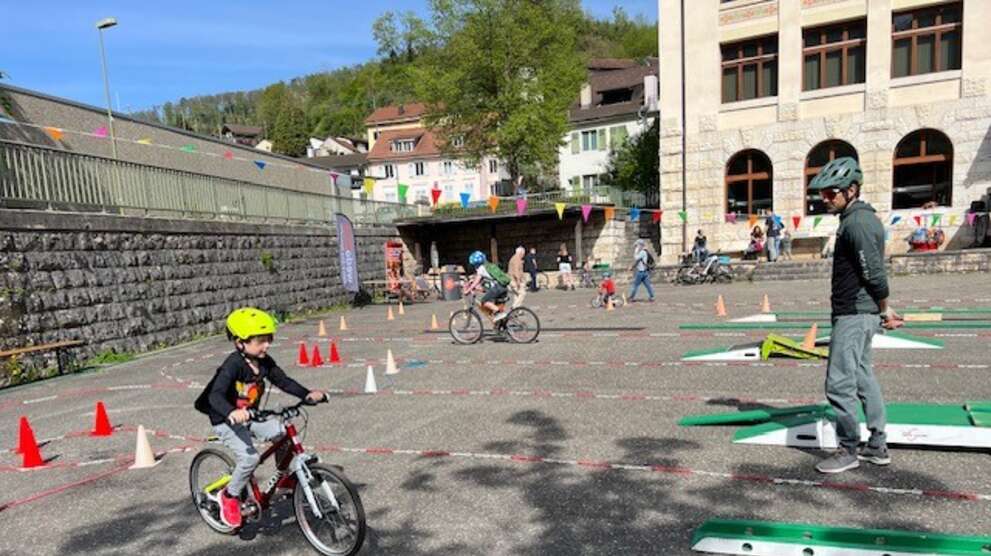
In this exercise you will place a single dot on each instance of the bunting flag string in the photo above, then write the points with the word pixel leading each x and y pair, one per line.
pixel 369 186
pixel 465 197
pixel 520 206
pixel 610 213
pixel 683 215
pixel 751 220
pixel 796 221
pixel 260 164
pixel 493 203
pixel 55 133
pixel 586 212
pixel 971 216
pixel 100 132
pixel 559 207
pixel 634 214
pixel 730 218
pixel 435 195
pixel 402 189
pixel 655 216
pixel 816 221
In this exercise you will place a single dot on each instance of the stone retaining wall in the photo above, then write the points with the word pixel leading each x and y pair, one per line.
pixel 130 284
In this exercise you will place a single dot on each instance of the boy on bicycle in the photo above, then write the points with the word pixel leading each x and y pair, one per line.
pixel 237 388
pixel 493 280
pixel 607 289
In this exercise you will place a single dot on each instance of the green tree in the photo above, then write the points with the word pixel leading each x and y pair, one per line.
pixel 635 166
pixel 291 136
pixel 503 81
pixel 270 104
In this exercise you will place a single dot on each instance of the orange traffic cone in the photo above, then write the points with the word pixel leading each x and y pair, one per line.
pixel 101 425
pixel 765 307
pixel 316 360
pixel 322 330
pixel 609 305
pixel 344 323
pixel 30 454
pixel 720 306
pixel 389 315
pixel 334 356
pixel 302 359
pixel 809 343
pixel 433 322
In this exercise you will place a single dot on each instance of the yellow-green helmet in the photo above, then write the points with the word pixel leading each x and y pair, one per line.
pixel 247 322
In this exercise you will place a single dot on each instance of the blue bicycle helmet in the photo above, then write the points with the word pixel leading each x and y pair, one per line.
pixel 476 259
pixel 607 274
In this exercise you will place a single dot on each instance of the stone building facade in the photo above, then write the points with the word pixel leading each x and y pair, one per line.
pixel 891 90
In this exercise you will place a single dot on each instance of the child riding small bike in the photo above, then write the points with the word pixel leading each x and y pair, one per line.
pixel 493 280
pixel 607 289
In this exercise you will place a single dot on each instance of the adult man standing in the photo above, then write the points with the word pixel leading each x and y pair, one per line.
pixel 530 265
pixel 859 304
pixel 518 282
pixel 641 270
pixel 774 225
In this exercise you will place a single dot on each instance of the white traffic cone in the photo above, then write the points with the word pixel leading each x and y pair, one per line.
pixel 143 456
pixel 390 364
pixel 370 387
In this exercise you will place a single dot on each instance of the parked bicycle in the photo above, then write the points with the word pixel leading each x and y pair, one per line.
pixel 521 325
pixel 327 507
pixel 714 268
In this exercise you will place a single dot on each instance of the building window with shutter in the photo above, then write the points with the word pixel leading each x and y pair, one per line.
pixel 575 143
pixel 418 169
pixel 390 171
pixel 493 166
pixel 750 69
pixel 834 55
pixel 926 40
pixel 617 136
pixel 590 140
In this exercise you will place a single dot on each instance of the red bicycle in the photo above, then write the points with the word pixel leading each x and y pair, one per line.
pixel 327 507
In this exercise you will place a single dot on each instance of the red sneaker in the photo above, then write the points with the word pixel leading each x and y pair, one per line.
pixel 230 510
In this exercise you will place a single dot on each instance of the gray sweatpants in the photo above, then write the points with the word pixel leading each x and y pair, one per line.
pixel 238 439
pixel 850 380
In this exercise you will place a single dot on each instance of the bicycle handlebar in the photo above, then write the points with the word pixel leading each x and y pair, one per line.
pixel 289 412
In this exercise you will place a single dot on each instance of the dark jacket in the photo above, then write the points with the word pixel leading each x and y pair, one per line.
pixel 860 280
pixel 530 262
pixel 236 386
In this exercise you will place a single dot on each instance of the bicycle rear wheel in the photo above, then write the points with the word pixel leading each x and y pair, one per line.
pixel 341 531
pixel 210 472
pixel 596 302
pixel 465 327
pixel 522 325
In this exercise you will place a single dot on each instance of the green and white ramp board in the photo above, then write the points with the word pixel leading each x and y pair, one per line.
pixel 780 346
pixel 766 538
pixel 814 426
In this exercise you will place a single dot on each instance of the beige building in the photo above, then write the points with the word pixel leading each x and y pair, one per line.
pixel 776 89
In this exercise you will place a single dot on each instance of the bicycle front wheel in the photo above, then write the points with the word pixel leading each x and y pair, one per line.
pixel 341 530
pixel 210 472
pixel 465 327
pixel 596 302
pixel 522 325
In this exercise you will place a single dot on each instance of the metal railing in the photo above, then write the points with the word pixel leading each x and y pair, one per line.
pixel 50 179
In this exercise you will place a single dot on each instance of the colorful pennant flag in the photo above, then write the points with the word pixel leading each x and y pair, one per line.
pixel 730 218
pixel 100 131
pixel 683 215
pixel 953 220
pixel 465 197
pixel 520 206
pixel 144 141
pixel 435 195
pixel 895 219
pixel 333 175
pixel 55 133
pixel 918 220
pixel 493 203
pixel 260 164
pixel 228 155
pixel 586 212
pixel 796 220
pixel 402 189
pixel 190 148
pixel 610 213
pixel 655 216
pixel 970 218
pixel 634 214
pixel 560 210
pixel 936 219
pixel 752 220
pixel 369 186
pixel 816 221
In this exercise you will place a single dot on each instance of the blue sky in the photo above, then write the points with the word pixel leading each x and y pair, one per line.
pixel 166 50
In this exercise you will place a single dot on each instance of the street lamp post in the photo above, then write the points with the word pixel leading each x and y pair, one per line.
pixel 107 23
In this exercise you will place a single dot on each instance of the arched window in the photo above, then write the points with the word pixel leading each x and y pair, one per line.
pixel 818 157
pixel 749 188
pixel 923 170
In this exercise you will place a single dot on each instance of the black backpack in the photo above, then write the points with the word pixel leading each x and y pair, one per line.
pixel 651 263
pixel 202 403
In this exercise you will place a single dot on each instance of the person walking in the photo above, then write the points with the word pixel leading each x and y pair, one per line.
pixel 564 265
pixel 859 308
pixel 517 283
pixel 530 265
pixel 642 265
pixel 774 225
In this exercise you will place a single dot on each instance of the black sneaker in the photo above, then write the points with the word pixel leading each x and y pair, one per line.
pixel 877 456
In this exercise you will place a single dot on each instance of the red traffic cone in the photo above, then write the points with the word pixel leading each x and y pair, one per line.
pixel 30 454
pixel 101 426
pixel 316 360
pixel 302 359
pixel 334 356
pixel 23 433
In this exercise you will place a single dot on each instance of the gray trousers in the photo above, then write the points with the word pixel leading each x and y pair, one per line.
pixel 850 381
pixel 238 439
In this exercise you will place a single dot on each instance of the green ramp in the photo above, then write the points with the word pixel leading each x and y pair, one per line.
pixel 768 538
pixel 753 416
